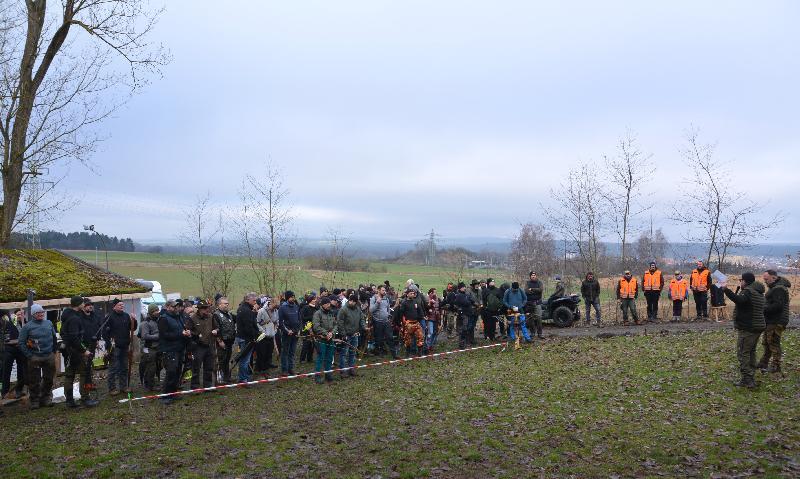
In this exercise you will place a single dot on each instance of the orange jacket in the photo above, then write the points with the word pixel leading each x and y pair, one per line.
pixel 627 289
pixel 701 280
pixel 653 281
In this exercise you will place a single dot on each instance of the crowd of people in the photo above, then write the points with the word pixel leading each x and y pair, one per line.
pixel 201 342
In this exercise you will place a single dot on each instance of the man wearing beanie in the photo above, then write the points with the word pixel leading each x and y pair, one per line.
pixel 748 319
pixel 119 330
pixel 653 284
pixel 776 316
pixel 149 336
pixel 289 325
pixel 37 340
pixel 75 353
pixel 324 327
pixel 514 299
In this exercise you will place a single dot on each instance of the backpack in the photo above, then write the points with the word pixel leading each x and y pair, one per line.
pixel 493 303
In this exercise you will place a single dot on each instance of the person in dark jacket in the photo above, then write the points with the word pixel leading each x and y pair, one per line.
pixel 246 332
pixel 411 313
pixel 172 337
pixel 748 319
pixel 306 316
pixel 492 308
pixel 225 339
pixel 533 306
pixel 75 351
pixel 91 335
pixel 289 325
pixel 590 291
pixel 119 331
pixel 776 317
pixel 10 325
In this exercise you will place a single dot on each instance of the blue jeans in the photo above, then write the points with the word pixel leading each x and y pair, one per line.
pixel 324 358
pixel 244 361
pixel 432 333
pixel 512 330
pixel 118 371
pixel 288 347
pixel 347 355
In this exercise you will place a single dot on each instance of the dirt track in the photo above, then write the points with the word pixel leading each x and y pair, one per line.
pixel 645 328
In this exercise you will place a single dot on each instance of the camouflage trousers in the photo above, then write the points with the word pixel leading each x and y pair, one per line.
pixel 412 330
pixel 746 353
pixel 772 345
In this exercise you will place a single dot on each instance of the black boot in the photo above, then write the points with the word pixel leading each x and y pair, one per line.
pixel 68 395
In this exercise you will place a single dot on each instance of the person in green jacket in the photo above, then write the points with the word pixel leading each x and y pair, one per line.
pixel 350 322
pixel 776 316
pixel 323 325
pixel 748 319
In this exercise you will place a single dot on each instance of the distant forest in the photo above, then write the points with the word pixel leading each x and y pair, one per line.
pixel 77 240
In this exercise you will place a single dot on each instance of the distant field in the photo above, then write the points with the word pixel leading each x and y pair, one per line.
pixel 178 273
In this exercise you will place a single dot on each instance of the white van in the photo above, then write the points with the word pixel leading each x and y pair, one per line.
pixel 157 296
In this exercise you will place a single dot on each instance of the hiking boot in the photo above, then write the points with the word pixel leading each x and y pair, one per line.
pixel 70 403
pixel 353 373
pixel 762 365
pixel 745 383
pixel 46 402
pixel 329 377
pixel 89 402
pixel 774 368
pixel 34 405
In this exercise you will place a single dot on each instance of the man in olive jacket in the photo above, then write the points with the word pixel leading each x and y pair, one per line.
pixel 748 320
pixel 324 328
pixel 776 316
pixel 350 322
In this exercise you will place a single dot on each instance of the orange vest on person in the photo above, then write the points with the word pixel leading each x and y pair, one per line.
pixel 677 289
pixel 627 289
pixel 700 280
pixel 652 281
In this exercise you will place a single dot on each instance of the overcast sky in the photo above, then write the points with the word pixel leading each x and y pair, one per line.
pixel 391 118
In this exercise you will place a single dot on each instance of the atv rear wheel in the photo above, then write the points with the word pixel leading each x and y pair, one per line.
pixel 562 317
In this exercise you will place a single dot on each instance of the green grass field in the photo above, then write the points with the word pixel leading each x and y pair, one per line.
pixel 642 406
pixel 178 273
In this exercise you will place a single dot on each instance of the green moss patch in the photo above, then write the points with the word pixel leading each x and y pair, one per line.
pixel 53 274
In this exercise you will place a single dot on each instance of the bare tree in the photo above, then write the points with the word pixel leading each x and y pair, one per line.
pixel 220 273
pixel 651 245
pixel 578 213
pixel 716 213
pixel 266 227
pixel 55 87
pixel 199 235
pixel 627 171
pixel 336 256
pixel 533 250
